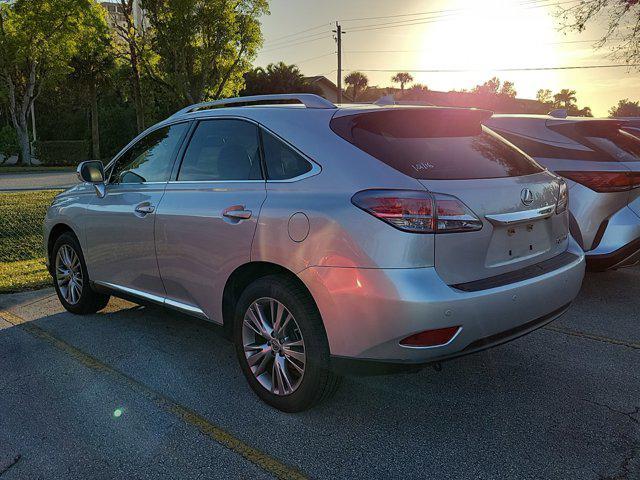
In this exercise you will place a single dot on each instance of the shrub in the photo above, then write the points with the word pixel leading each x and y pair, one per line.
pixel 62 152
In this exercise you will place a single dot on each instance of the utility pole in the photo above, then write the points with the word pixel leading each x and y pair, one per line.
pixel 338 31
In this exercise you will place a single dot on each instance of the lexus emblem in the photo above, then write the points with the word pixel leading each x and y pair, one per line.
pixel 526 196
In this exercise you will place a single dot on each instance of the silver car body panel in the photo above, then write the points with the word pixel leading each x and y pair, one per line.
pixel 372 283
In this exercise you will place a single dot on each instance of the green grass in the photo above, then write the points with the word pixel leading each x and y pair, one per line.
pixel 22 253
pixel 34 169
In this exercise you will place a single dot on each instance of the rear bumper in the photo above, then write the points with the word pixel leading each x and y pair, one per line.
pixel 620 242
pixel 366 312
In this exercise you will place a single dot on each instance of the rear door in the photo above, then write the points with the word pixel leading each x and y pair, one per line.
pixel 450 153
pixel 208 215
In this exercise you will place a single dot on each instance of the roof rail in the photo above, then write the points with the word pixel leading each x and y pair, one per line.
pixel 309 100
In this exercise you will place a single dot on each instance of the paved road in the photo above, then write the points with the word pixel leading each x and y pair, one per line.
pixel 37 180
pixel 142 393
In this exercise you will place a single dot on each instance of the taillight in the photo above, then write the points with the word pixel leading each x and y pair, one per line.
pixel 563 197
pixel 418 212
pixel 605 182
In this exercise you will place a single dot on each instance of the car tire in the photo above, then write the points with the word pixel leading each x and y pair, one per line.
pixel 71 279
pixel 281 384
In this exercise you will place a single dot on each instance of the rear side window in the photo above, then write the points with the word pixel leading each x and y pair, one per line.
pixel 620 145
pixel 282 161
pixel 222 150
pixel 435 144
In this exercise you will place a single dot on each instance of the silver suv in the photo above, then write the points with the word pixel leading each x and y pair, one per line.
pixel 601 163
pixel 323 239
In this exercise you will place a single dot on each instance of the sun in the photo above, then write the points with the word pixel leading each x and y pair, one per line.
pixel 492 34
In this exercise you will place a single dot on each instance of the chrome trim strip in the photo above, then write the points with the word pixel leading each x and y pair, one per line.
pixel 133 291
pixel 521 217
pixel 183 307
pixel 190 309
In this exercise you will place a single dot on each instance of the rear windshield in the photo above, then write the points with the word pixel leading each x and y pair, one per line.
pixel 434 144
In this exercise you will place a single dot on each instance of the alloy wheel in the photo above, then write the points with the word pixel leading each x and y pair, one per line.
pixel 273 346
pixel 69 274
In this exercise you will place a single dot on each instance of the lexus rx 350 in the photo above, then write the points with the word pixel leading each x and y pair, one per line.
pixel 322 238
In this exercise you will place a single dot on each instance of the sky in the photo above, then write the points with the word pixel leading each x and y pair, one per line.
pixel 479 35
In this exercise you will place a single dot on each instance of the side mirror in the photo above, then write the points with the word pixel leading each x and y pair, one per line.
pixel 92 172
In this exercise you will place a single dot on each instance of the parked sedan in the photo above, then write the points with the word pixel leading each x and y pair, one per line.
pixel 601 163
pixel 322 238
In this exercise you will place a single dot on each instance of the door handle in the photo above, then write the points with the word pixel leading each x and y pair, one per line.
pixel 145 209
pixel 237 212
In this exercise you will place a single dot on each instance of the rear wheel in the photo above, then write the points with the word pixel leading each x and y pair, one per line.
pixel 281 345
pixel 71 279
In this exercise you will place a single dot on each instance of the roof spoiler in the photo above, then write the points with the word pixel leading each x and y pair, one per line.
pixel 558 113
pixel 309 100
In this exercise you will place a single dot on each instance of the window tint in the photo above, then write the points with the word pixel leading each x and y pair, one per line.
pixel 282 161
pixel 435 144
pixel 151 158
pixel 222 150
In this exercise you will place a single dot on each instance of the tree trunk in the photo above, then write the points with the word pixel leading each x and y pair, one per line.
pixel 135 87
pixel 95 125
pixel 23 141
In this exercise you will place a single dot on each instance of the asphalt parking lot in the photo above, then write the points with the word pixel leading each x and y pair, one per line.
pixel 143 393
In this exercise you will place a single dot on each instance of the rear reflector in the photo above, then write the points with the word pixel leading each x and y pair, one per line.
pixel 418 211
pixel 605 182
pixel 431 338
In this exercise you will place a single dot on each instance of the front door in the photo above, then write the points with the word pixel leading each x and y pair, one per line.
pixel 120 228
pixel 207 218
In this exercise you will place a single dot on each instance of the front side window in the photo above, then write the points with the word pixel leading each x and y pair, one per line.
pixel 222 150
pixel 282 161
pixel 151 158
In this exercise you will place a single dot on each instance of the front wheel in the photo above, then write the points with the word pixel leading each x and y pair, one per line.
pixel 71 279
pixel 281 345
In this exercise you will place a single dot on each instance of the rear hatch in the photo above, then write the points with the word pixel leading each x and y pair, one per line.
pixel 449 152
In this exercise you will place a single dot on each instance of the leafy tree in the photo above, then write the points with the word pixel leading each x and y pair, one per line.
pixel 38 38
pixel 417 91
pixel 276 78
pixel 565 98
pixel 508 89
pixel 622 22
pixel 92 65
pixel 358 81
pixel 130 40
pixel 544 95
pixel 402 78
pixel 203 48
pixel 490 87
pixel 625 108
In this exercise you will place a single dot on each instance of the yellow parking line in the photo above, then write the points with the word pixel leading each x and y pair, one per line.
pixel 590 336
pixel 218 434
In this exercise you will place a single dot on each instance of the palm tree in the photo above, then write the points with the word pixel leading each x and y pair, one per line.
pixel 565 98
pixel 358 81
pixel 402 78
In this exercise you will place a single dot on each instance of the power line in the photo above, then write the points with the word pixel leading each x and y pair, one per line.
pixel 294 44
pixel 276 40
pixel 426 51
pixel 435 19
pixel 466 70
pixel 449 10
pixel 288 42
pixel 313 58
